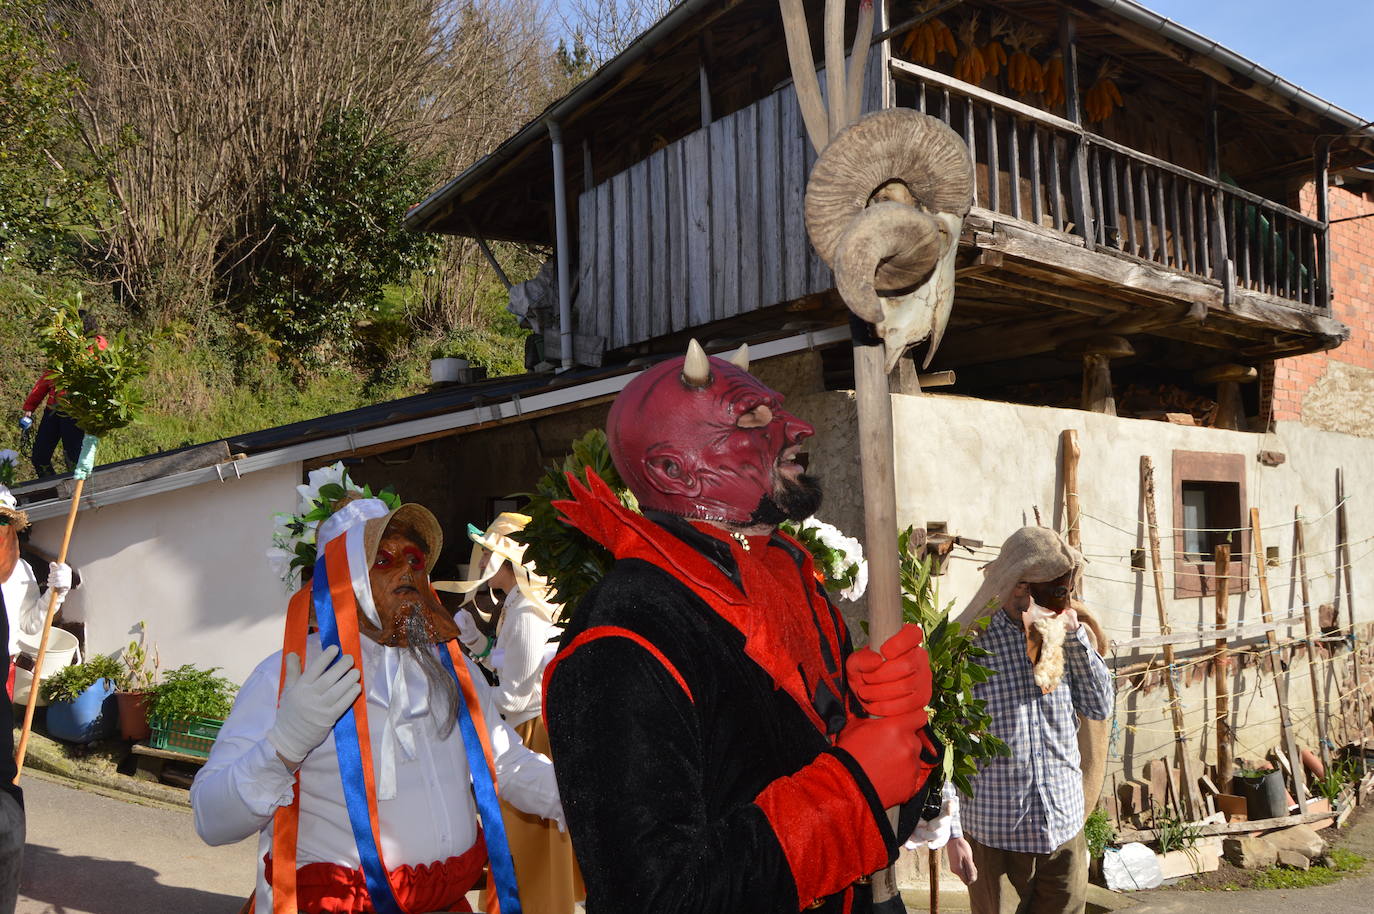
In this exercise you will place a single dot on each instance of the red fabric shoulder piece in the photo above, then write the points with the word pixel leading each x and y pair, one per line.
pixel 825 826
pixel 614 631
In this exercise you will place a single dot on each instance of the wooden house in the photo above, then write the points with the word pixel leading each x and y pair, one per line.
pixel 671 182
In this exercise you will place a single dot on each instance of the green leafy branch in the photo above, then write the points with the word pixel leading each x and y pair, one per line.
pixel 960 720
pixel 572 561
pixel 99 386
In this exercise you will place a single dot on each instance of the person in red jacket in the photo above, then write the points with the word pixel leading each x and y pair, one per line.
pixel 57 426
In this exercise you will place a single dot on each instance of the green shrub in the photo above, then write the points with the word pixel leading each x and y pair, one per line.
pixel 187 692
pixel 70 682
pixel 1098 832
pixel 960 720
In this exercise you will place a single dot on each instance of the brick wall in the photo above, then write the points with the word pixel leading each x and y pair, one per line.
pixel 1352 281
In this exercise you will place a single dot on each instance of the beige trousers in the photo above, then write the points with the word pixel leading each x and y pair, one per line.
pixel 1011 882
pixel 545 869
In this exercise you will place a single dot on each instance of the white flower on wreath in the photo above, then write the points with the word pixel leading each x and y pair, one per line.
pixel 290 530
pixel 846 553
pixel 317 479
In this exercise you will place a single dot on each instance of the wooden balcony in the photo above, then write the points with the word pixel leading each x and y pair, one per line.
pixel 1071 233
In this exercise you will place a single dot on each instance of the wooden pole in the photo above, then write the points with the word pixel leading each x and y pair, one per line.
pixel 1071 451
pixel 1192 799
pixel 1313 667
pixel 1343 557
pixel 23 748
pixel 934 869
pixel 1290 746
pixel 1221 673
pixel 874 404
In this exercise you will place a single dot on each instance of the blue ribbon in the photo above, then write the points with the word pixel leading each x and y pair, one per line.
pixel 355 786
pixel 351 762
pixel 488 806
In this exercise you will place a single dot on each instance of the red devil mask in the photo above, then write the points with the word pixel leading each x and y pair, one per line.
pixel 702 438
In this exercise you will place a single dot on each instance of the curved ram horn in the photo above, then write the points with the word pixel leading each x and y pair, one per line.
pixel 741 357
pixel 887 235
pixel 696 370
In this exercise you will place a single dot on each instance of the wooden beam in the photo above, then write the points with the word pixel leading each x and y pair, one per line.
pixel 1290 746
pixel 1221 667
pixel 1229 828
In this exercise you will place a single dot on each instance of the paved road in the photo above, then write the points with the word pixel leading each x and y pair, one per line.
pixel 92 854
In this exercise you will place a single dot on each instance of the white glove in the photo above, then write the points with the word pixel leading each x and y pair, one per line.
pixel 468 633
pixel 311 702
pixel 59 579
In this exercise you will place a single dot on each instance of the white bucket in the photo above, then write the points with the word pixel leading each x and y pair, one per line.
pixel 62 649
pixel 448 370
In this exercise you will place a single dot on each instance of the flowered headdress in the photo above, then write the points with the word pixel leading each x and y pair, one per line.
pixel 9 507
pixel 497 540
pixel 330 498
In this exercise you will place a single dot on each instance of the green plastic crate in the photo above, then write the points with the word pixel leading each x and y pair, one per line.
pixel 193 736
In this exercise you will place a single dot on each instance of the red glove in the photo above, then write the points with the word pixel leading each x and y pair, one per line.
pixel 895 682
pixel 888 749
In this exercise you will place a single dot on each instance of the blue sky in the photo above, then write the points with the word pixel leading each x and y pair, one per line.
pixel 1324 46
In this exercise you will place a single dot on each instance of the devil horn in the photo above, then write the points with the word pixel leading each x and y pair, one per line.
pixel 696 370
pixel 741 357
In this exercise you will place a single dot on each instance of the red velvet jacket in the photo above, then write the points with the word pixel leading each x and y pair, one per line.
pixel 692 710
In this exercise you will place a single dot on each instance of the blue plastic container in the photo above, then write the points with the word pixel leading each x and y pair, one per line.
pixel 94 715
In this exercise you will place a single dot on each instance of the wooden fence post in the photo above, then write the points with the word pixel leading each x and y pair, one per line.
pixel 1221 673
pixel 1290 746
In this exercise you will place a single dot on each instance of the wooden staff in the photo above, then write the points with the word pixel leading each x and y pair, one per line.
pixel 1290 746
pixel 1192 799
pixel 1221 672
pixel 1069 439
pixel 23 748
pixel 934 869
pixel 1313 668
pixel 1343 557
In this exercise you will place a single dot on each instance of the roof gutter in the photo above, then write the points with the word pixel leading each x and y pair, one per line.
pixel 496 411
pixel 1237 64
pixel 421 214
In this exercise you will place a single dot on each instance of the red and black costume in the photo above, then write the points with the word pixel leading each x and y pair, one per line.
pixel 693 710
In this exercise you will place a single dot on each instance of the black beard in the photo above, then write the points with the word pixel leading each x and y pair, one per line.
pixel 443 690
pixel 796 501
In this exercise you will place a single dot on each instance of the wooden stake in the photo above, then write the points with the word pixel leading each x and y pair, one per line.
pixel 1071 451
pixel 1313 668
pixel 23 748
pixel 1290 746
pixel 933 868
pixel 1191 798
pixel 1343 558
pixel 1221 674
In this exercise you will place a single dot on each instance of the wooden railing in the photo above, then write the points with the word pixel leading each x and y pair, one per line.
pixel 1039 168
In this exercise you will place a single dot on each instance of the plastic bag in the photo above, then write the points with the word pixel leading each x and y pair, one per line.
pixel 1131 867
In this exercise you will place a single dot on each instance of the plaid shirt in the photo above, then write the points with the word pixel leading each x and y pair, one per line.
pixel 1032 801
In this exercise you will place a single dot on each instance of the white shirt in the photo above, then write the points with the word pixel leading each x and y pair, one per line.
pixel 23 604
pixel 432 815
pixel 525 643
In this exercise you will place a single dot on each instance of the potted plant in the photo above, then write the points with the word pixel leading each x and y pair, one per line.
pixel 81 705
pixel 187 709
pixel 446 368
pixel 1263 791
pixel 136 689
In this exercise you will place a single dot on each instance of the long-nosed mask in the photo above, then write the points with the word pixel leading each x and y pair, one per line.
pixel 702 438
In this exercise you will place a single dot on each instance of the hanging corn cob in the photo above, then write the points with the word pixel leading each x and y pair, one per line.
pixel 927 41
pixel 1104 97
pixel 1024 73
pixel 994 54
pixel 970 66
pixel 1054 80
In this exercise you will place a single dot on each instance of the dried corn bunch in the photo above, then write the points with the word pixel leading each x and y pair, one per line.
pixel 970 65
pixel 1024 73
pixel 927 41
pixel 994 54
pixel 1054 80
pixel 1104 97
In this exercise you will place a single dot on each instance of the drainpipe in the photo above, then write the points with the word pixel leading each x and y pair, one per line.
pixel 560 220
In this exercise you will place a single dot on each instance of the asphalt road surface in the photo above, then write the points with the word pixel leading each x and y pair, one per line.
pixel 92 854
